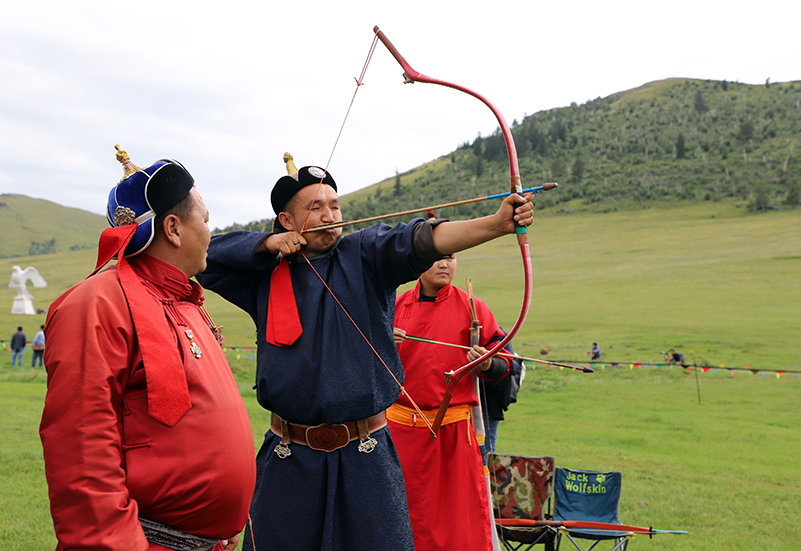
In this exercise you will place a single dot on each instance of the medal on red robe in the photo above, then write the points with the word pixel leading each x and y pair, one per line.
pixel 193 346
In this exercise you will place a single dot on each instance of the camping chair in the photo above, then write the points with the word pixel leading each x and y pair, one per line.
pixel 522 488
pixel 583 498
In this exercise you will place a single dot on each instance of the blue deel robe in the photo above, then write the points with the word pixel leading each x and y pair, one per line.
pixel 342 500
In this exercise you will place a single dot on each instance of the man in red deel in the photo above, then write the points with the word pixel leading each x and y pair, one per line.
pixel 147 443
pixel 445 482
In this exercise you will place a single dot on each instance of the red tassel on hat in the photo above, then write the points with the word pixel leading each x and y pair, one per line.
pixel 167 390
pixel 283 323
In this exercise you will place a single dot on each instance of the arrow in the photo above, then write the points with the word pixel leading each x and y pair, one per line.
pixel 517 356
pixel 537 189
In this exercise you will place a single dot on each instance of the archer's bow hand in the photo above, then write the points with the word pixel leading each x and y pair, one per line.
pixel 523 214
pixel 398 334
pixel 286 243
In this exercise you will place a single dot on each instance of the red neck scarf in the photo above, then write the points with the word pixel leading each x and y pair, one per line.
pixel 167 390
pixel 283 323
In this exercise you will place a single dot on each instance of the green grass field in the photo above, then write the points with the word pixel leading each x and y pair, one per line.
pixel 717 284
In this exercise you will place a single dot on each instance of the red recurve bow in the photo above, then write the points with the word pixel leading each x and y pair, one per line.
pixel 453 377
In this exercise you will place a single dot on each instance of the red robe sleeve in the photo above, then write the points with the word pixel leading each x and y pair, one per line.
pixel 90 348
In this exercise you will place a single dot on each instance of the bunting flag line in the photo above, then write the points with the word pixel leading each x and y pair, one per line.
pixel 704 368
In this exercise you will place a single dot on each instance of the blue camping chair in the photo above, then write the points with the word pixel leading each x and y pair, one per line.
pixel 588 496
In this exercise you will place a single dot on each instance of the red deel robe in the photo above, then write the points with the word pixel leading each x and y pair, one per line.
pixel 445 482
pixel 106 461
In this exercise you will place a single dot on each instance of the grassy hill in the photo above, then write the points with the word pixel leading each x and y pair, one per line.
pixel 666 141
pixel 36 226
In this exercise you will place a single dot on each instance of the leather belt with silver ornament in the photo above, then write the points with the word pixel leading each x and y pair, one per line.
pixel 327 438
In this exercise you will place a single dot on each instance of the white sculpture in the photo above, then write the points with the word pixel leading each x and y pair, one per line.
pixel 23 302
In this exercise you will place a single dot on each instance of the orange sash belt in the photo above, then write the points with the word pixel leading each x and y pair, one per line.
pixel 410 418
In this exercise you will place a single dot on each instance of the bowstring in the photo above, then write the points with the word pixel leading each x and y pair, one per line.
pixel 359 82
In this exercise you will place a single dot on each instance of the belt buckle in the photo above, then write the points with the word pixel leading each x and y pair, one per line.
pixel 327 438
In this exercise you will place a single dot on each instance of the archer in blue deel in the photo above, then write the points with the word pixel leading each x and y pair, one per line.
pixel 328 475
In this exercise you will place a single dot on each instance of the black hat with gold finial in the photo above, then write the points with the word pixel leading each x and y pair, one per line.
pixel 287 186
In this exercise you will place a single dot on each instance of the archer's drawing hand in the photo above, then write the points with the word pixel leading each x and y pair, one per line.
pixel 286 243
pixel 398 334
pixel 475 353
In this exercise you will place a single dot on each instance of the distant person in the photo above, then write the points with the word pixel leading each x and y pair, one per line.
pixel 38 346
pixel 147 443
pixel 595 352
pixel 18 341
pixel 675 357
pixel 445 481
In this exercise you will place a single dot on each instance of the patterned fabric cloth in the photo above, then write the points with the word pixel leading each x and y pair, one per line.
pixel 522 488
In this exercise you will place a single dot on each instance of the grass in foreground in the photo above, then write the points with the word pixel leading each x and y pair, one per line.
pixel 725 470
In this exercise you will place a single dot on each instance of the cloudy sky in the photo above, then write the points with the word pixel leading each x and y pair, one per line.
pixel 228 87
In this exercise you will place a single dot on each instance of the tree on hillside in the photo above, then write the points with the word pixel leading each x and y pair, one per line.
pixel 793 197
pixel 681 148
pixel 558 169
pixel 46 247
pixel 478 151
pixel 700 104
pixel 746 131
pixel 495 147
pixel 578 170
pixel 761 200
pixel 398 189
pixel 558 131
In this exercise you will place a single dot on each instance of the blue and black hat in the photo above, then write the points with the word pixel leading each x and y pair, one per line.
pixel 145 193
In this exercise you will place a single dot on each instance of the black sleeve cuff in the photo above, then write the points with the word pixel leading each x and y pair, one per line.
pixel 497 369
pixel 423 240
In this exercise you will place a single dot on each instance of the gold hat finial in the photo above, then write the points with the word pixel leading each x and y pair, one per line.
pixel 291 169
pixel 128 167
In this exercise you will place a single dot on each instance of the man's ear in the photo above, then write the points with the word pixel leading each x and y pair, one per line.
pixel 286 221
pixel 171 229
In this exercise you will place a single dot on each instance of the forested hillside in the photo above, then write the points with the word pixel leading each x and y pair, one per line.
pixel 666 141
